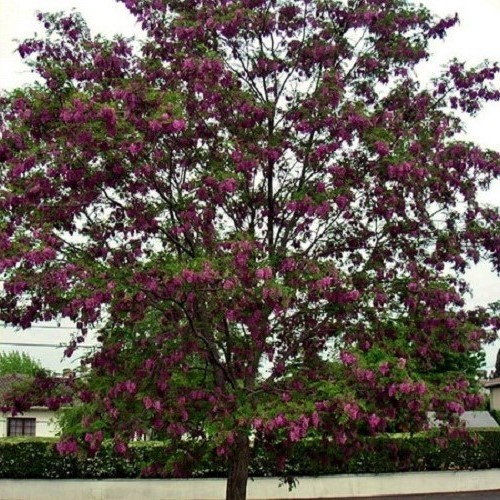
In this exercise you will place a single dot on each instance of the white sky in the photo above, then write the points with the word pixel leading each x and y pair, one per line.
pixel 477 38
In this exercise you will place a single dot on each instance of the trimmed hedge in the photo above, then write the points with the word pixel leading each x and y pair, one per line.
pixel 28 458
pixel 390 454
pixel 38 459
pixel 496 415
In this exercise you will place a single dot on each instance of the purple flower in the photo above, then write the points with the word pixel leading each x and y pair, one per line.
pixel 273 154
pixel 228 185
pixel 228 284
pixel 120 448
pixel 455 407
pixel 231 315
pixel 280 420
pixel 315 419
pixel 264 273
pixel 405 388
pixel 381 148
pixel 320 187
pixel 154 125
pixel 352 409
pixel 285 397
pixel 221 451
pixel 130 386
pixel 342 201
pixel 178 125
pixel 323 209
pixel 67 447
pixel 352 296
pixel 380 299
pixel 374 421
pixel 384 368
pixel 420 388
pixel 295 434
pixel 109 116
pixel 325 282
pixel 257 423
pixel 135 148
pixel 347 358
pixel 340 437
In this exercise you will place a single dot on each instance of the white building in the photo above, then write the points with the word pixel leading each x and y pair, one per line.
pixel 39 421
pixel 494 386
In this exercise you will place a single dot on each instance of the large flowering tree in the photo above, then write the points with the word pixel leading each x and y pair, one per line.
pixel 263 212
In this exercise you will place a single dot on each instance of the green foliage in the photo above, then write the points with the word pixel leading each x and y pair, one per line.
pixel 496 415
pixel 33 458
pixel 37 458
pixel 71 417
pixel 17 362
pixel 270 237
pixel 386 454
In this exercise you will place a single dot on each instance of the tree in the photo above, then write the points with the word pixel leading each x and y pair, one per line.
pixel 15 362
pixel 263 211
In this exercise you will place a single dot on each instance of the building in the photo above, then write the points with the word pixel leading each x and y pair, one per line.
pixel 471 420
pixel 494 387
pixel 37 421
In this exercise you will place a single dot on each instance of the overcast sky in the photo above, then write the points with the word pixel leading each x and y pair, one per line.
pixel 477 38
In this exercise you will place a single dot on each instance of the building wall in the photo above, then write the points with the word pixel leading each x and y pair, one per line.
pixel 495 398
pixel 46 422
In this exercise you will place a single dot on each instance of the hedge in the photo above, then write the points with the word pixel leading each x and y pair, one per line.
pixel 390 454
pixel 496 415
pixel 37 459
pixel 28 458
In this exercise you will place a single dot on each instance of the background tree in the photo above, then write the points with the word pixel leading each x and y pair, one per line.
pixel 19 363
pixel 264 212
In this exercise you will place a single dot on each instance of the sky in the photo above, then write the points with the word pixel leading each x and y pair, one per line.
pixel 475 39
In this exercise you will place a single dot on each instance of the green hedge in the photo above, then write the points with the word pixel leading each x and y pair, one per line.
pixel 496 415
pixel 37 458
pixel 389 454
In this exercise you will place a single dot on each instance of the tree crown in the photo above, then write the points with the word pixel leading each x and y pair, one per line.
pixel 265 212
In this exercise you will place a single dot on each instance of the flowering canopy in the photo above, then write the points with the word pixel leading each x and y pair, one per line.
pixel 262 209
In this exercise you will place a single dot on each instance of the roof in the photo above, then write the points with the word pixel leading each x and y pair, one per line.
pixel 475 419
pixel 9 381
pixel 471 419
pixel 54 386
pixel 494 382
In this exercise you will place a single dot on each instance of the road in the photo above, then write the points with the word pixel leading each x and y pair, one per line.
pixel 474 495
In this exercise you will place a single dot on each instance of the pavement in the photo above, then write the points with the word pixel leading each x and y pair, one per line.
pixel 473 495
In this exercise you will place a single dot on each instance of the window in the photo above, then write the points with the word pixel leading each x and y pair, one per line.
pixel 21 426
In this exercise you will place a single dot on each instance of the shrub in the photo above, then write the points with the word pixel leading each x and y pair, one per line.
pixel 34 458
pixel 496 415
pixel 38 459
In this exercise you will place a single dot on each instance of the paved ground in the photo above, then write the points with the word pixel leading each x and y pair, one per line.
pixel 476 495
pixel 480 495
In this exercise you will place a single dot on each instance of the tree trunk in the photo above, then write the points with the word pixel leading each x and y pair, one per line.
pixel 238 469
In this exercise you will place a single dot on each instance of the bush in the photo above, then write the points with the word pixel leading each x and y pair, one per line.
pixel 34 458
pixel 26 459
pixel 496 415
pixel 38 459
pixel 401 454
